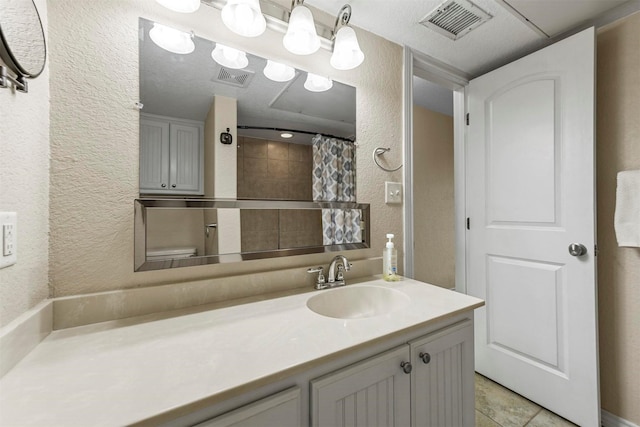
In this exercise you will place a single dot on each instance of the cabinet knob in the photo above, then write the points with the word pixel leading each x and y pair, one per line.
pixel 426 357
pixel 406 367
pixel 163 185
pixel 173 186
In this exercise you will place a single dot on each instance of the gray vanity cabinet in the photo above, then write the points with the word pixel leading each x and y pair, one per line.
pixel 374 392
pixel 171 156
pixel 435 390
pixel 281 409
pixel 442 383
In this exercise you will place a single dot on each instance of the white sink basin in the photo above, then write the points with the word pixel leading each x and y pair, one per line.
pixel 356 302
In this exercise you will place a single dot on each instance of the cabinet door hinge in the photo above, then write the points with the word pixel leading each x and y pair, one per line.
pixel 467 119
pixel 468 223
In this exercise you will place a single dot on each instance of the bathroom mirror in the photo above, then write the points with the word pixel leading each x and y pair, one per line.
pixel 22 43
pixel 179 89
pixel 171 233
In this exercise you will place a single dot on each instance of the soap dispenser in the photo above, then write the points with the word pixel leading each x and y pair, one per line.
pixel 390 262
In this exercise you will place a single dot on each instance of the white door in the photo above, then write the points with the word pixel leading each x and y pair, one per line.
pixel 530 194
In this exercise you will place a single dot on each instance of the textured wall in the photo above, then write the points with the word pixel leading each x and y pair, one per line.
pixel 94 138
pixel 618 149
pixel 24 184
pixel 433 204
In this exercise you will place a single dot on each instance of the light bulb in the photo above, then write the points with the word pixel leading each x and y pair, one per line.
pixel 316 83
pixel 170 39
pixel 346 50
pixel 182 6
pixel 278 72
pixel 301 37
pixel 244 17
pixel 229 57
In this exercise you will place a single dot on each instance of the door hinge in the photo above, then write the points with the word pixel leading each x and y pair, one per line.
pixel 467 119
pixel 468 223
pixel 595 250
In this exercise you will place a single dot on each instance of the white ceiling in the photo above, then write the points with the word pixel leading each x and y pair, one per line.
pixel 503 38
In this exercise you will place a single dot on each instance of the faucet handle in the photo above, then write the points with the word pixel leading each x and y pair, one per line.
pixel 340 275
pixel 320 280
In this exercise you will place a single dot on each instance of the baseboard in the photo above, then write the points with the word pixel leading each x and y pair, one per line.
pixel 610 420
pixel 23 334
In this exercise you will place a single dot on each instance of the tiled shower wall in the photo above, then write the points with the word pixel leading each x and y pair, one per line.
pixel 273 170
pixel 281 171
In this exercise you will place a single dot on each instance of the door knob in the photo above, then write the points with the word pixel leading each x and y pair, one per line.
pixel 406 367
pixel 426 357
pixel 577 249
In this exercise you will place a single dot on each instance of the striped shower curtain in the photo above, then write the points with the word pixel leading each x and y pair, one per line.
pixel 334 180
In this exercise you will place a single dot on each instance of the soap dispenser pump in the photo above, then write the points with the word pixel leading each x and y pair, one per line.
pixel 390 261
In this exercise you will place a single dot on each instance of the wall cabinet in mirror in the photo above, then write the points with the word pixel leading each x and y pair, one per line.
pixel 171 156
pixel 171 233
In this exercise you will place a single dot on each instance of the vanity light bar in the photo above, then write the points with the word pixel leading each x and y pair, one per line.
pixel 277 18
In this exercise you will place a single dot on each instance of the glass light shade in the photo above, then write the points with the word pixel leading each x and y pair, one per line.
pixel 229 57
pixel 244 17
pixel 170 39
pixel 301 37
pixel 316 83
pixel 346 50
pixel 286 135
pixel 182 6
pixel 278 72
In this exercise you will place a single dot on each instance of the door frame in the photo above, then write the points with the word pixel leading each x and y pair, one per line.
pixel 429 68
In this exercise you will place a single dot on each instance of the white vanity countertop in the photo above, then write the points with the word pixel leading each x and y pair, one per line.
pixel 122 372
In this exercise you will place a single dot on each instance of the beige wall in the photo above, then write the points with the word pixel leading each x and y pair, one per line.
pixel 24 189
pixel 433 203
pixel 175 228
pixel 618 149
pixel 94 138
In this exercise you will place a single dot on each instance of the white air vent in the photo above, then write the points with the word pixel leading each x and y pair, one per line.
pixel 232 77
pixel 455 18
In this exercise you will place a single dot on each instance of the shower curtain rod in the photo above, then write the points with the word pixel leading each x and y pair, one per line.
pixel 296 131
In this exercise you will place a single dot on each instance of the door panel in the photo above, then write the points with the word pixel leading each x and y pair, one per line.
pixel 525 295
pixel 521 162
pixel 530 193
pixel 375 392
pixel 185 159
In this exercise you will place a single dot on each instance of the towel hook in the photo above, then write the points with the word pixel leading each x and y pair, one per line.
pixel 377 153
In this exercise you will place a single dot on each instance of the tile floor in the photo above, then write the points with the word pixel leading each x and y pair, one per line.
pixel 497 406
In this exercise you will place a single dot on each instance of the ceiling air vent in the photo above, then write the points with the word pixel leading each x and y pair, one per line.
pixel 232 77
pixel 455 18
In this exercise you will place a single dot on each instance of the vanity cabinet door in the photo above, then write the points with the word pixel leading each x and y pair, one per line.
pixel 374 392
pixel 280 410
pixel 442 386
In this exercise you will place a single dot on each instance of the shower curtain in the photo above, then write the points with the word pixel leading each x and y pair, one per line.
pixel 334 180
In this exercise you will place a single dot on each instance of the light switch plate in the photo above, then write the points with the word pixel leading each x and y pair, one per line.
pixel 392 192
pixel 8 226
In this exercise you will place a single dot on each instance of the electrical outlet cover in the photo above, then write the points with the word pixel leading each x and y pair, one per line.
pixel 9 235
pixel 392 192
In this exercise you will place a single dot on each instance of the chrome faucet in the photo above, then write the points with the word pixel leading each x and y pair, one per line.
pixel 338 266
pixel 336 278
